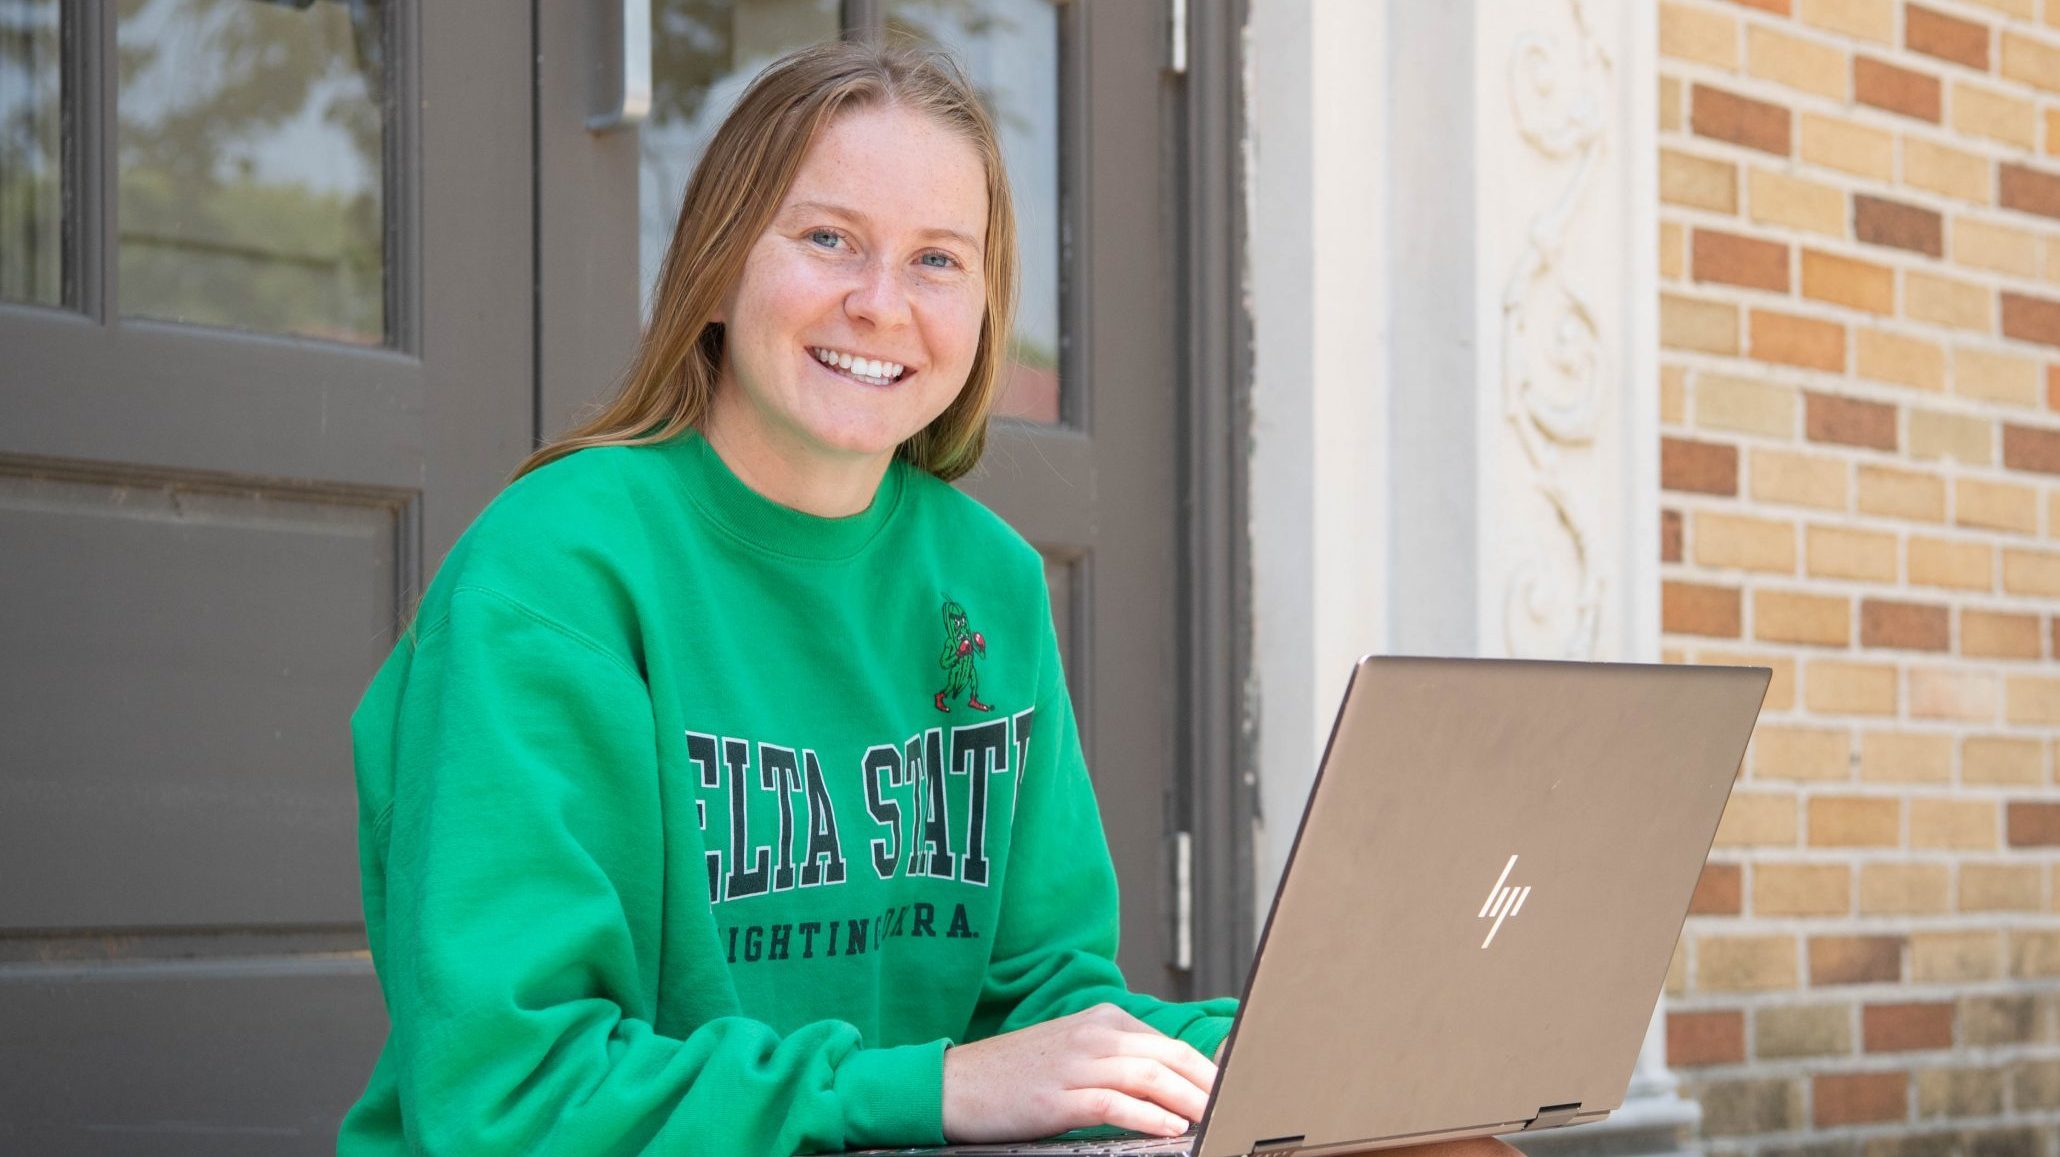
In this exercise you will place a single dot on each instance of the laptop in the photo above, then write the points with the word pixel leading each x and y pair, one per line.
pixel 1478 911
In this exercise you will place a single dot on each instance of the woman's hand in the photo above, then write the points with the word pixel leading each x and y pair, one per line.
pixel 1100 1066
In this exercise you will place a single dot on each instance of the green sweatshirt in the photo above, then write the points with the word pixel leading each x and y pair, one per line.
pixel 690 823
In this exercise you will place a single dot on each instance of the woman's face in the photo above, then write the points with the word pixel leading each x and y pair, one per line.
pixel 858 312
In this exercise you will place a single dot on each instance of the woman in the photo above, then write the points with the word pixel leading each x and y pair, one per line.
pixel 726 777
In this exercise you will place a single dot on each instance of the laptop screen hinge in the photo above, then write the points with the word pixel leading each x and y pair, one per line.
pixel 1553 1116
pixel 1278 1146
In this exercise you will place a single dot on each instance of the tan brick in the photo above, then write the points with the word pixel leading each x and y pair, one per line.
pixel 1794 340
pixel 1947 301
pixel 1698 182
pixel 2034 953
pixel 1904 626
pixel 1889 889
pixel 1808 65
pixel 1673 244
pixel 2032 699
pixel 1999 635
pixel 1906 757
pixel 1677 969
pixel 1888 356
pixel 1798 479
pixel 1896 493
pixel 1937 435
pixel 1780 687
pixel 1947 171
pixel 1997 377
pixel 1950 38
pixel 1835 687
pixel 2031 572
pixel 1943 693
pixel 1746 405
pixel 1854 821
pixel 1836 552
pixel 1944 562
pixel 1856 959
pixel 1953 824
pixel 2000 759
pixel 1986 245
pixel 1955 957
pixel 1959 1092
pixel 2001 888
pixel 1694 32
pixel 2052 131
pixel 1673 395
pixel 1795 617
pixel 1796 203
pixel 1699 609
pixel 1898 89
pixel 1864 19
pixel 1814 753
pixel 1670 103
pixel 1745 963
pixel 1848 146
pixel 1980 111
pixel 1690 323
pixel 1730 540
pixel 1734 259
pixel 1847 281
pixel 1758 819
pixel 1801 889
pixel 1998 506
pixel 2035 1084
pixel 1741 120
pixel 1815 1030
pixel 2035 62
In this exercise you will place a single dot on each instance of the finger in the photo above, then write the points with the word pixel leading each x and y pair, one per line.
pixel 1110 1107
pixel 1149 1080
pixel 1178 1055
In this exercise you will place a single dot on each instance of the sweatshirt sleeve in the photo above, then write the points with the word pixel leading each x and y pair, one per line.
pixel 523 882
pixel 1055 943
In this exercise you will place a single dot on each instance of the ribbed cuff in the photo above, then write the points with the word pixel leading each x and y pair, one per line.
pixel 893 1097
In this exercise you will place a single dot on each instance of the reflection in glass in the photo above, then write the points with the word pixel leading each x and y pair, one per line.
pixel 32 224
pixel 704 54
pixel 1011 48
pixel 251 169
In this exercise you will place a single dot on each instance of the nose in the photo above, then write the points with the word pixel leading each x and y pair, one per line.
pixel 880 297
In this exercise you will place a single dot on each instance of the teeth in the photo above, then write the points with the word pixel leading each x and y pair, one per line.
pixel 857 366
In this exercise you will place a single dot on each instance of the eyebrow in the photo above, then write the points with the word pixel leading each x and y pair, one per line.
pixel 861 218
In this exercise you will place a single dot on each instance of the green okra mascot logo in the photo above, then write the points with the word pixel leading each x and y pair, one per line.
pixel 963 648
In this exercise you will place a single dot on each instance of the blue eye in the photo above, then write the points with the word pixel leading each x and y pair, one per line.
pixel 946 261
pixel 817 236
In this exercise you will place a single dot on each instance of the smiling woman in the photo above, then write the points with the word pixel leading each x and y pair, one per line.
pixel 727 776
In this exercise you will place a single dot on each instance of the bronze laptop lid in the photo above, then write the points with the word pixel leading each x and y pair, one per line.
pixel 1479 908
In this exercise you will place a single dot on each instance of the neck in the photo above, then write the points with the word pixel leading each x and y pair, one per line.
pixel 828 487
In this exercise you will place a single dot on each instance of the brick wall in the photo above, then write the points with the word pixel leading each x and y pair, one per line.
pixel 1860 322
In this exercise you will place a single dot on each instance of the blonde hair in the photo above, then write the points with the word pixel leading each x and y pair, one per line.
pixel 736 190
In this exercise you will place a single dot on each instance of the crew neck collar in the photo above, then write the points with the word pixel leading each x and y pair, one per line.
pixel 759 521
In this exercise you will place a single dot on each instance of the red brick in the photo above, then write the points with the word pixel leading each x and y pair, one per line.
pixel 1719 891
pixel 1726 116
pixel 1911 626
pixel 1701 467
pixel 1880 221
pixel 1736 260
pixel 2029 318
pixel 1849 421
pixel 1946 37
pixel 1856 1098
pixel 1670 536
pixel 2031 448
pixel 2034 824
pixel 2028 189
pixel 1899 90
pixel 1798 341
pixel 1855 959
pixel 2053 386
pixel 1777 7
pixel 1699 609
pixel 1897 1028
pixel 1705 1038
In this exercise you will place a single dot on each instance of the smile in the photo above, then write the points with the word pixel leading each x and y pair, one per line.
pixel 871 371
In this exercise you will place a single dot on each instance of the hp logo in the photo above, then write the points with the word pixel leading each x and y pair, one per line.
pixel 1503 902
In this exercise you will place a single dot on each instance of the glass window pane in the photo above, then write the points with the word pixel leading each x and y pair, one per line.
pixel 704 53
pixel 251 164
pixel 32 224
pixel 1011 48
